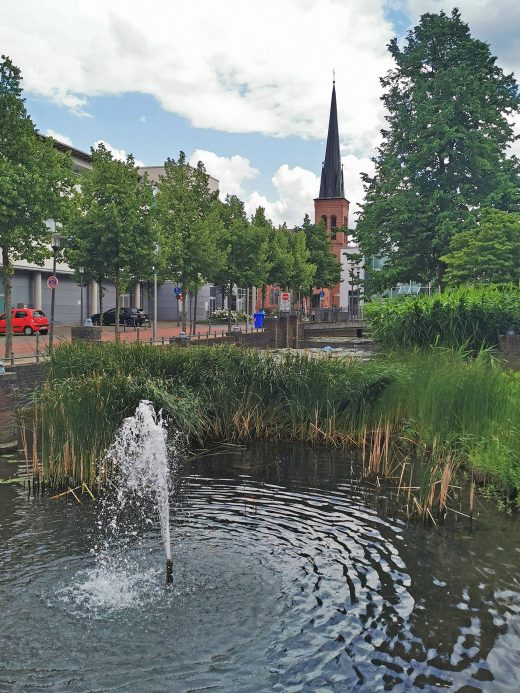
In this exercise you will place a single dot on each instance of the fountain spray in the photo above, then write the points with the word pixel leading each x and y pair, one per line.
pixel 141 458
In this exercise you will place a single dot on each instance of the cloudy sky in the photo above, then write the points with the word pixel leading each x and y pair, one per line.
pixel 242 85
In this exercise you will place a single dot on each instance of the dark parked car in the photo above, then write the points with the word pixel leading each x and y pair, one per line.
pixel 127 316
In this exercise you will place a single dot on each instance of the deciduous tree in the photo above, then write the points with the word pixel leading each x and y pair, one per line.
pixel 112 236
pixel 189 232
pixel 35 185
pixel 486 250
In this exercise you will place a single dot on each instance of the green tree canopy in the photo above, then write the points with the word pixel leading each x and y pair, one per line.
pixel 486 250
pixel 321 255
pixel 36 183
pixel 444 152
pixel 188 224
pixel 112 236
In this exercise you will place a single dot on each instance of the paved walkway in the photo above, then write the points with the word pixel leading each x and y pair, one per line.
pixel 26 346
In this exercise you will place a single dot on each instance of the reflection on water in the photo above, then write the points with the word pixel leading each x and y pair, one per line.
pixel 286 579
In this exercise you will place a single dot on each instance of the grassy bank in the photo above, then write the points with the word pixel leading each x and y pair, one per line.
pixel 435 405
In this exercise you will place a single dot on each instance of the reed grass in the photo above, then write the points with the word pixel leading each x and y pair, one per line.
pixel 436 406
pixel 469 316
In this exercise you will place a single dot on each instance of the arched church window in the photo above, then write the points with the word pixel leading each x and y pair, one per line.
pixel 324 219
pixel 333 222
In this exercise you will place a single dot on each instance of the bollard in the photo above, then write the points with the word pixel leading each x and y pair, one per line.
pixel 12 358
pixel 138 333
pixel 162 340
pixel 169 571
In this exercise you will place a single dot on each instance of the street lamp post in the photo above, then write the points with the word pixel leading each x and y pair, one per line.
pixel 56 241
pixel 81 271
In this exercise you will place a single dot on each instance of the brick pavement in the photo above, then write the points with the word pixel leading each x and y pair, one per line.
pixel 26 346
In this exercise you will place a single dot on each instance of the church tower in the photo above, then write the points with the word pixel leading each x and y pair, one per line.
pixel 331 206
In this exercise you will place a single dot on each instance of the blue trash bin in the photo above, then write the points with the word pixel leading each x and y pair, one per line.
pixel 259 319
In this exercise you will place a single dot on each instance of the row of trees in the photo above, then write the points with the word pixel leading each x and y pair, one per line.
pixel 120 228
pixel 125 229
pixel 444 203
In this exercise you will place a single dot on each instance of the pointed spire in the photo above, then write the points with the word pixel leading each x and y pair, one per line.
pixel 332 171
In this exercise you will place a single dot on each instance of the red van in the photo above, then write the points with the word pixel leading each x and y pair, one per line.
pixel 26 321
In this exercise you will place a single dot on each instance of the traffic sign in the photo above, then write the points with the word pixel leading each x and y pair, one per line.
pixel 322 294
pixel 285 300
pixel 177 290
pixel 52 282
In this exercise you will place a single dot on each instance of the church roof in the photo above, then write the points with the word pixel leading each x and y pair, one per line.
pixel 332 171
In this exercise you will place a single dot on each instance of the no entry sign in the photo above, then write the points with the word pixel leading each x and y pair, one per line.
pixel 52 282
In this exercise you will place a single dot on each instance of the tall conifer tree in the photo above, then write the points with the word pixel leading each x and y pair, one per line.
pixel 445 151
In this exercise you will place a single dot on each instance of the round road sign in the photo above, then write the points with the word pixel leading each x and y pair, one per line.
pixel 285 296
pixel 52 282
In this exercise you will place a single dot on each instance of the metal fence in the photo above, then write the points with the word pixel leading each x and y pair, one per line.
pixel 355 314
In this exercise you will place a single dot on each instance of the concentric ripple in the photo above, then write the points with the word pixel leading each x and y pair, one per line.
pixel 285 580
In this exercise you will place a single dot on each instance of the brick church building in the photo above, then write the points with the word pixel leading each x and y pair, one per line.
pixel 332 207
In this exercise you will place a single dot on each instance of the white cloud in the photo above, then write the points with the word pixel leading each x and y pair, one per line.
pixel 142 119
pixel 119 154
pixel 231 171
pixel 210 66
pixel 58 136
pixel 295 188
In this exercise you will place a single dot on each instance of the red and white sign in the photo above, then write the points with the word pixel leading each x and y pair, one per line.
pixel 285 300
pixel 52 282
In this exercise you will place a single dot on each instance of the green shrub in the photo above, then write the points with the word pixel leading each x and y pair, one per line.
pixel 469 316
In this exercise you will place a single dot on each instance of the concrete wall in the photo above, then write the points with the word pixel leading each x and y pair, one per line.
pixel 22 289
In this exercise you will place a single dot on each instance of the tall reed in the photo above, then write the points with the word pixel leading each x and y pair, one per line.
pixel 469 316
pixel 438 402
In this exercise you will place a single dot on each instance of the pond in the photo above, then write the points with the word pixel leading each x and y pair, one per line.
pixel 286 578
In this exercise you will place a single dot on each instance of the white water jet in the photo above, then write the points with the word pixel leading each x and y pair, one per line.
pixel 140 456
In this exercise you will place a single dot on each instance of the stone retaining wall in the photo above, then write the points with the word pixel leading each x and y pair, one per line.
pixel 8 427
pixel 509 346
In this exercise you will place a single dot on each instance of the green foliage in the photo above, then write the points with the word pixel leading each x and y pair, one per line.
pixel 444 152
pixel 112 235
pixel 188 225
pixel 473 317
pixel 487 250
pixel 36 183
pixel 437 400
pixel 321 255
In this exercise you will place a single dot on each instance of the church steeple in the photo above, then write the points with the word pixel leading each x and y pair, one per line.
pixel 332 171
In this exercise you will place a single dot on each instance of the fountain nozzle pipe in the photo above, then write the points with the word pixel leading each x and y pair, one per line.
pixel 169 571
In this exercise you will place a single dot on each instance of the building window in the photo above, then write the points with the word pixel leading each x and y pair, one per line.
pixel 324 219
pixel 333 222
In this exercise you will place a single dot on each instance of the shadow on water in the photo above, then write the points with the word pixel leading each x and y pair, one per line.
pixel 286 578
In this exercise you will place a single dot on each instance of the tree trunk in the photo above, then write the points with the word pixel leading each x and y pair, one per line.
pixel 184 300
pixel 7 302
pixel 223 295
pixel 195 310
pixel 264 290
pixel 100 284
pixel 116 317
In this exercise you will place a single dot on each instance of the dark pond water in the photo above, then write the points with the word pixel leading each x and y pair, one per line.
pixel 286 579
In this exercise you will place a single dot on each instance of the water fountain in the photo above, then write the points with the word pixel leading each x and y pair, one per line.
pixel 139 454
